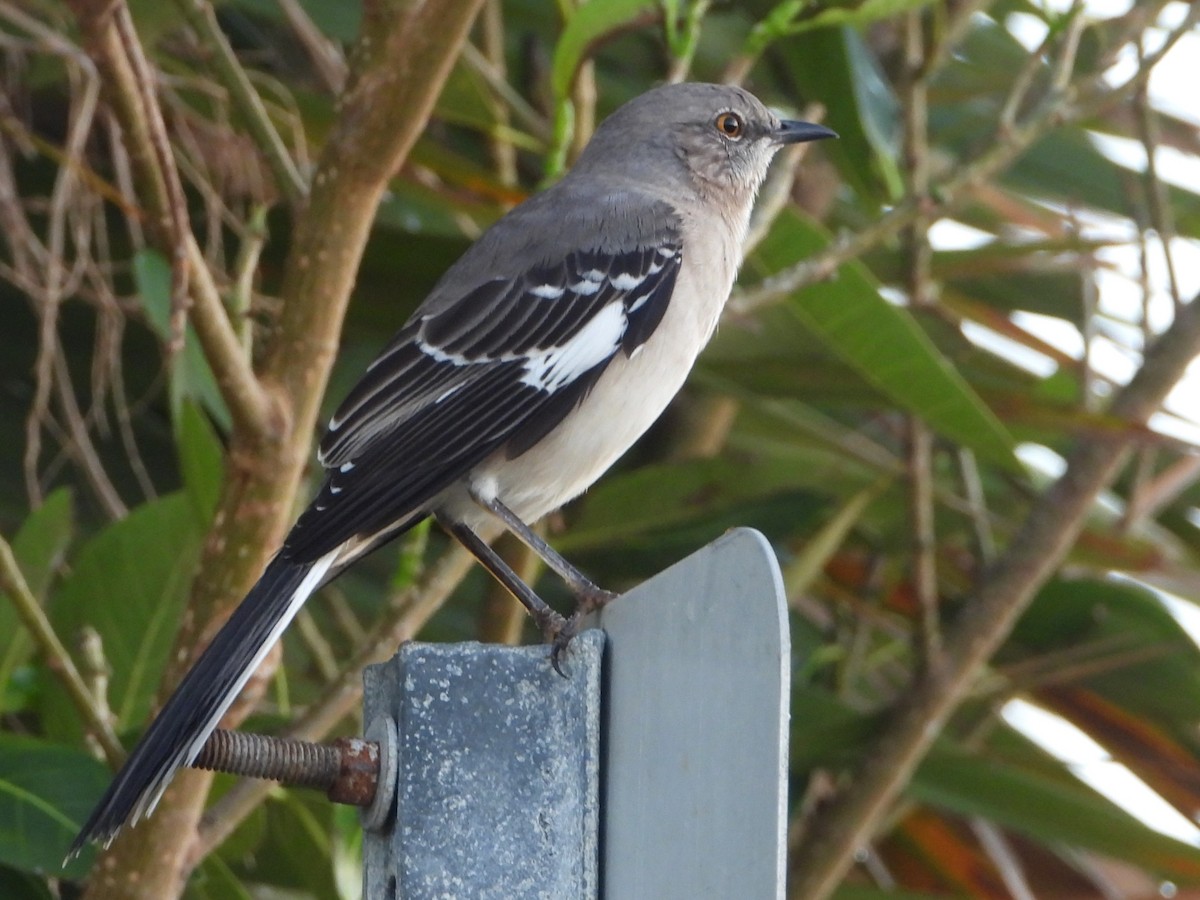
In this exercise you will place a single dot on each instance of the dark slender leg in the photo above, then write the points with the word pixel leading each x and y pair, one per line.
pixel 555 629
pixel 589 596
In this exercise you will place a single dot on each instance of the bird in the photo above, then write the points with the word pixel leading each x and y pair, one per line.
pixel 534 363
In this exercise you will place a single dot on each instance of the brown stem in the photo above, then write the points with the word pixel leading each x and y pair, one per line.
pixel 400 63
pixel 1036 551
pixel 132 108
pixel 1087 96
pixel 170 215
pixel 13 583
pixel 919 253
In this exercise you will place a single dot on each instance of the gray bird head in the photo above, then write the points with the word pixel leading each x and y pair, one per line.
pixel 719 138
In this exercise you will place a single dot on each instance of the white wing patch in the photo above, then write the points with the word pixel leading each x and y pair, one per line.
pixel 548 291
pixel 555 367
pixel 626 281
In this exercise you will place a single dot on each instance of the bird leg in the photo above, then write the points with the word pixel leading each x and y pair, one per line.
pixel 549 622
pixel 589 596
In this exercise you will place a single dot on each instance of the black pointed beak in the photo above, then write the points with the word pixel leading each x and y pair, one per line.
pixel 792 132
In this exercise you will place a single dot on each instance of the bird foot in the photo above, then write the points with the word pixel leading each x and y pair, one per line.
pixel 591 598
pixel 560 641
pixel 587 601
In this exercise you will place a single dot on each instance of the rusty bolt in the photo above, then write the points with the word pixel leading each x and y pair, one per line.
pixel 347 770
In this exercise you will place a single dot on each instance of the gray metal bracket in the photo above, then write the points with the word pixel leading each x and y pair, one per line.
pixel 497 773
pixel 498 785
pixel 696 692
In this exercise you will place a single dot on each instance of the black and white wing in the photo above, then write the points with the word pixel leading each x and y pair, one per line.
pixel 498 367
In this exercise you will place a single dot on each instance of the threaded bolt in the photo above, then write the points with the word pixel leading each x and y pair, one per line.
pixel 346 770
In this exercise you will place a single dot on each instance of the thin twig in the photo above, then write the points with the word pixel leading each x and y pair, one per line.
pixel 919 253
pixel 923 539
pixel 13 583
pixel 520 108
pixel 1160 489
pixel 202 18
pixel 173 224
pixel 504 154
pixel 241 294
pixel 249 404
pixel 688 39
pixel 1086 97
pixel 1035 552
pixel 1156 192
pixel 325 54
pixel 80 446
pixel 317 645
pixel 1004 858
pixel 981 522
pixel 138 113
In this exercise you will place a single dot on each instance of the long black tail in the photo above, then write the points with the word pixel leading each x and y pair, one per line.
pixel 178 734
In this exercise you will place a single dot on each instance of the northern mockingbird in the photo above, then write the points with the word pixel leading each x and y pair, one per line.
pixel 537 360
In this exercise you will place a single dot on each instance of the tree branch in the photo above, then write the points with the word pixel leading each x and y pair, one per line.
pixel 249 405
pixel 1035 552
pixel 203 19
pixel 12 583
pixel 1086 97
pixel 402 58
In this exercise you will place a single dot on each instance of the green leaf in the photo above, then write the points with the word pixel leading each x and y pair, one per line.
pixel 838 67
pixel 129 583
pixel 671 496
pixel 216 881
pixel 43 540
pixel 783 21
pixel 46 790
pixel 295 853
pixel 191 377
pixel 39 548
pixel 1048 810
pixel 588 24
pixel 883 343
pixel 800 573
pixel 201 459
pixel 340 22
pixel 17 885
pixel 825 730
pixel 1160 682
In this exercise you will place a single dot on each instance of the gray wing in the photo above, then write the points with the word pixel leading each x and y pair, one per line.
pixel 496 367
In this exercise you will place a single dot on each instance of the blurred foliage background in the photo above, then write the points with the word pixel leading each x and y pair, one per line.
pixel 854 406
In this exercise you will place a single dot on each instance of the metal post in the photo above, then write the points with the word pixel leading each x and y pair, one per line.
pixel 498 759
pixel 496 774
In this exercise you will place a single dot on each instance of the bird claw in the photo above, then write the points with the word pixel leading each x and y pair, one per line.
pixel 587 601
pixel 560 641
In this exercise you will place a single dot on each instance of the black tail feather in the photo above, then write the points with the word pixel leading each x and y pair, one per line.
pixel 176 736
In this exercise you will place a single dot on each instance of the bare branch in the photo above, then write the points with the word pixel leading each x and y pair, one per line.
pixel 173 222
pixel 1035 552
pixel 13 583
pixel 326 56
pixel 1083 98
pixel 203 19
pixel 135 105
